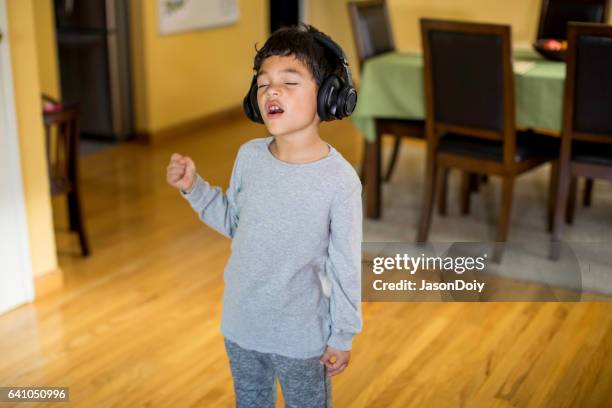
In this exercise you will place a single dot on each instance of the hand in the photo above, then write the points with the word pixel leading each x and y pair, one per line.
pixel 181 172
pixel 341 359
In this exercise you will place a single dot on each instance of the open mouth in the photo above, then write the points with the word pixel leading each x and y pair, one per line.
pixel 274 111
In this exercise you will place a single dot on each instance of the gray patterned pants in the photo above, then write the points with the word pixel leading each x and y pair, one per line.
pixel 304 382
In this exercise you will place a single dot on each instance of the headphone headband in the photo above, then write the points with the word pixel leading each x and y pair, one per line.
pixel 337 50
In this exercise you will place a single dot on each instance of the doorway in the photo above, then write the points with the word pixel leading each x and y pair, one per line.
pixel 285 13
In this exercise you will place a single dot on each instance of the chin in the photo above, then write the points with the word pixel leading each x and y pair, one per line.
pixel 278 128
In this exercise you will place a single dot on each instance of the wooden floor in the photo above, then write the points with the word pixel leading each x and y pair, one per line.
pixel 138 322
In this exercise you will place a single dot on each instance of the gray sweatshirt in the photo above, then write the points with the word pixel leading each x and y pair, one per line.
pixel 293 279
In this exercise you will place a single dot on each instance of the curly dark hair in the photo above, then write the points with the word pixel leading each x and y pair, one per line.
pixel 299 41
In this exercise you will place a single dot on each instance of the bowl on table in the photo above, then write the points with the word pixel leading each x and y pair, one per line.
pixel 551 48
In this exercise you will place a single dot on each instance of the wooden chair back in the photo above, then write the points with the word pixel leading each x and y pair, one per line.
pixel 469 82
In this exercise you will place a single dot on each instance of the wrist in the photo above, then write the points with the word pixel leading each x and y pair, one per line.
pixel 341 341
pixel 189 189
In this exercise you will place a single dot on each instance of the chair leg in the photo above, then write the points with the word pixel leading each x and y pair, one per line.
pixel 442 189
pixel 588 192
pixel 76 220
pixel 571 201
pixel 428 198
pixel 465 192
pixel 503 223
pixel 372 185
pixel 560 207
pixel 73 222
pixel 474 182
pixel 397 143
pixel 552 194
pixel 392 161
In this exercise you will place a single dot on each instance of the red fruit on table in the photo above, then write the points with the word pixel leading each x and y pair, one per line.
pixel 552 44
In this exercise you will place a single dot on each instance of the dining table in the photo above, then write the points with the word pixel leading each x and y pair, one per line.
pixel 391 87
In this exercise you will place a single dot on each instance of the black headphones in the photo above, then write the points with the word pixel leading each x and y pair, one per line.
pixel 336 97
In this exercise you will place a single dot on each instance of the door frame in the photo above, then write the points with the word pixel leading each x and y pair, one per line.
pixel 16 279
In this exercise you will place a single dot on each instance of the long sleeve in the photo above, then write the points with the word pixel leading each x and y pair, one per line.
pixel 214 207
pixel 344 264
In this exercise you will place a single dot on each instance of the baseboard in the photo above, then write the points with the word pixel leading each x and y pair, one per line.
pixel 189 126
pixel 48 283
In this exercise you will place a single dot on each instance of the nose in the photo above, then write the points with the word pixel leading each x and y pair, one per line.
pixel 273 90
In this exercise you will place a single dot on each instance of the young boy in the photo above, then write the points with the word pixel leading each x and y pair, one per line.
pixel 292 298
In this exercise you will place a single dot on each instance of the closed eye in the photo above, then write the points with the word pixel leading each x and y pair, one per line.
pixel 286 83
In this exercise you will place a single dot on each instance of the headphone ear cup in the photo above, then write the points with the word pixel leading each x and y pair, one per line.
pixel 254 103
pixel 246 106
pixel 347 99
pixel 249 103
pixel 327 98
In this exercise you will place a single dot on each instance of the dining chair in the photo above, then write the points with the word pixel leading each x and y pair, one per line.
pixel 62 145
pixel 586 136
pixel 372 34
pixel 555 14
pixel 470 114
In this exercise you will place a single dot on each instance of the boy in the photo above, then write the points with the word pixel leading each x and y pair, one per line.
pixel 292 297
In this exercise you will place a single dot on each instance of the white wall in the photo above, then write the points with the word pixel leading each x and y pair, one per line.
pixel 16 285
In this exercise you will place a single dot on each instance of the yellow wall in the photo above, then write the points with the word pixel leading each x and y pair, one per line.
pixel 332 18
pixel 46 48
pixel 31 135
pixel 185 76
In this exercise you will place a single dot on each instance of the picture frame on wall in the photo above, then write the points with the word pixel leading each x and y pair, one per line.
pixel 177 16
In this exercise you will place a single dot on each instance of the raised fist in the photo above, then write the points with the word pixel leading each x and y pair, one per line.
pixel 181 172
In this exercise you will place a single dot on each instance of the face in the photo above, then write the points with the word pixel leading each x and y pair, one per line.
pixel 287 83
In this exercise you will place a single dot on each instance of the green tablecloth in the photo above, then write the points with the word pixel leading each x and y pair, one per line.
pixel 392 87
